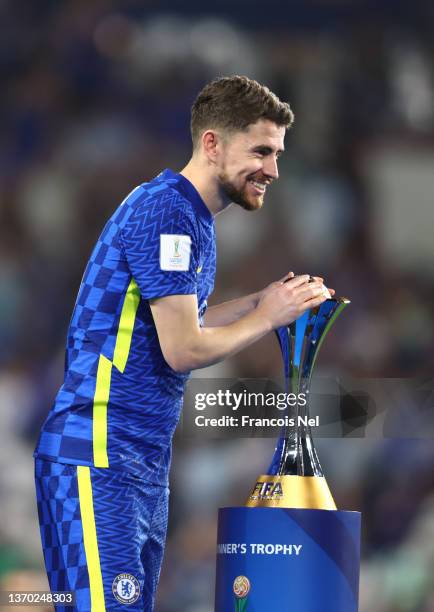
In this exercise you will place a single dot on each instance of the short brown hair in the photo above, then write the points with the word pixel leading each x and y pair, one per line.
pixel 233 103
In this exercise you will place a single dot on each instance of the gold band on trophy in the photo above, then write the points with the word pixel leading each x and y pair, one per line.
pixel 309 492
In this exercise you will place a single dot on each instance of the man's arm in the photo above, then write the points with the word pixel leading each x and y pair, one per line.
pixel 228 312
pixel 187 346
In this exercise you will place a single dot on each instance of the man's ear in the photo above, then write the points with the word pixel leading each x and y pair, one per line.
pixel 211 143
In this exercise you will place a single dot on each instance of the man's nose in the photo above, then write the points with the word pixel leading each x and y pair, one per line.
pixel 270 168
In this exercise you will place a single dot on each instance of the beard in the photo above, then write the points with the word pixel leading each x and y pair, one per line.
pixel 239 196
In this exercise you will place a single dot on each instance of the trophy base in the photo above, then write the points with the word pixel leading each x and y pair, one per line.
pixel 308 492
pixel 287 560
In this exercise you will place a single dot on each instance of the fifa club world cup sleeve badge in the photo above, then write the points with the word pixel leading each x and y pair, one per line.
pixel 175 252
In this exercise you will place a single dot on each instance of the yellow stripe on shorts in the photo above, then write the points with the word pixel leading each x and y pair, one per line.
pixel 90 539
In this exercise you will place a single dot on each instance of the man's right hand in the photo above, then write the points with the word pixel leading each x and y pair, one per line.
pixel 282 303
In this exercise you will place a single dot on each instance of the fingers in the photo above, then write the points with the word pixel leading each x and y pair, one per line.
pixel 287 277
pixel 311 290
pixel 315 301
pixel 313 281
pixel 310 278
pixel 296 281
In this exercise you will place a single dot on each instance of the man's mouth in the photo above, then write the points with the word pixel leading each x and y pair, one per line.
pixel 259 185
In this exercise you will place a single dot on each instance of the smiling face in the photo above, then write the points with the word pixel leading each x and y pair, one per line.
pixel 246 162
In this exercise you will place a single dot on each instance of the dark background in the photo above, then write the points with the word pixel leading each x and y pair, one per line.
pixel 95 99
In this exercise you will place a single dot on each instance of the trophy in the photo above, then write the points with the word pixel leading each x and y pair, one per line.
pixel 295 478
pixel 290 548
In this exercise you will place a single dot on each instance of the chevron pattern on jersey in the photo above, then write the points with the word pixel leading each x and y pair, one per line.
pixel 138 414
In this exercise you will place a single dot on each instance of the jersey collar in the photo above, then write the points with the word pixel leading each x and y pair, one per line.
pixel 188 190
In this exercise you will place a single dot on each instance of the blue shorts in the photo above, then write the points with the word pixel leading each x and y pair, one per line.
pixel 103 535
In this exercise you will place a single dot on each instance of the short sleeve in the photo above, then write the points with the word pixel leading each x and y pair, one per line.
pixel 160 241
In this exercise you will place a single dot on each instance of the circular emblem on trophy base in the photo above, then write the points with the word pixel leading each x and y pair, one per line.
pixel 241 587
pixel 126 588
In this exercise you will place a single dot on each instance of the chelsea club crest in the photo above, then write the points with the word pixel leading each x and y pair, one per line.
pixel 126 588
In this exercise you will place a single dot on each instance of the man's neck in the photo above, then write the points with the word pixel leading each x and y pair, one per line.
pixel 207 185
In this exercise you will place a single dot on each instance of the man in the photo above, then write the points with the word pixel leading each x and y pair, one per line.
pixel 140 324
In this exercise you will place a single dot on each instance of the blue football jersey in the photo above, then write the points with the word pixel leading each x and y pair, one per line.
pixel 120 401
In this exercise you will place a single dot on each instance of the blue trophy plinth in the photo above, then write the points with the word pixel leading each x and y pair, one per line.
pixel 290 549
pixel 293 560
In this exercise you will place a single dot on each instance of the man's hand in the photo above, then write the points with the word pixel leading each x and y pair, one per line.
pixel 286 279
pixel 284 301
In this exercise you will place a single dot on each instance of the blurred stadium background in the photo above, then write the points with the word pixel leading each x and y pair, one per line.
pixel 95 99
